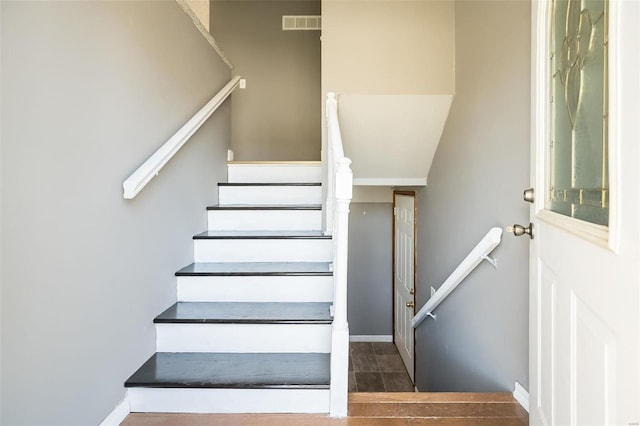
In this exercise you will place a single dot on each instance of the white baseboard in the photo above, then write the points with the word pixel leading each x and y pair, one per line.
pixel 118 414
pixel 371 338
pixel 521 395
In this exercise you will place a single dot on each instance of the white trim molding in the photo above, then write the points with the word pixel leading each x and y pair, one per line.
pixel 119 413
pixel 390 181
pixel 384 338
pixel 521 395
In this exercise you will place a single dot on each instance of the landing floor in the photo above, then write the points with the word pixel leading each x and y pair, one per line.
pixel 377 367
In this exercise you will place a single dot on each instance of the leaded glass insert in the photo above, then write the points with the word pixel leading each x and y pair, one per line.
pixel 578 181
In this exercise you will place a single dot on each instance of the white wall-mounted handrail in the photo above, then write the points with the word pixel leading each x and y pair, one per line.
pixel 478 254
pixel 150 168
pixel 339 193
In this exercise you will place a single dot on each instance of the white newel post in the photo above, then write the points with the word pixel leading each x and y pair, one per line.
pixel 340 327
pixel 330 106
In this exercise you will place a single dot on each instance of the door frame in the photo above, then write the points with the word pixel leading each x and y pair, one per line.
pixel 414 195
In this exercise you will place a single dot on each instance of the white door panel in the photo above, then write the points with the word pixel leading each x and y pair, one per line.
pixel 404 277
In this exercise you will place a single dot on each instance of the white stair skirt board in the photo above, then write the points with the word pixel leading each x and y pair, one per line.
pixel 119 413
pixel 180 400
pixel 269 195
pixel 275 173
pixel 246 338
pixel 258 220
pixel 289 288
pixel 521 395
pixel 259 250
pixel 371 338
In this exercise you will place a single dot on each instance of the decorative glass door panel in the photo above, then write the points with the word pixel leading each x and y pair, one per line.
pixel 578 180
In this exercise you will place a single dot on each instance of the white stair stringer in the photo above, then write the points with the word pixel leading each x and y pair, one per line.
pixel 193 400
pixel 288 288
pixel 260 194
pixel 259 220
pixel 280 172
pixel 262 250
pixel 246 338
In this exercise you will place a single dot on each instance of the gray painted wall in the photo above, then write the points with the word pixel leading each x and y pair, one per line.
pixel 369 294
pixel 277 117
pixel 89 91
pixel 479 341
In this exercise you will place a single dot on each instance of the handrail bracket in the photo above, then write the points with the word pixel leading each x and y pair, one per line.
pixel 491 260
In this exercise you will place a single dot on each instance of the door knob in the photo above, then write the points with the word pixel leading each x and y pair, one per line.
pixel 519 230
pixel 410 304
pixel 529 195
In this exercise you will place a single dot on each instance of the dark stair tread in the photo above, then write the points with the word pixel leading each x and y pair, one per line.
pixel 266 207
pixel 269 184
pixel 241 312
pixel 261 235
pixel 234 370
pixel 256 269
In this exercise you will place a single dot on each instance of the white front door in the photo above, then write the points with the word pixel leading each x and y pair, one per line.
pixel 404 277
pixel 584 266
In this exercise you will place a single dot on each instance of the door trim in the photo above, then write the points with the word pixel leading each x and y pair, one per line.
pixel 393 266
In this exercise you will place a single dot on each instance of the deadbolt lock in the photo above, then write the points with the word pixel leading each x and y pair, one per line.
pixel 529 195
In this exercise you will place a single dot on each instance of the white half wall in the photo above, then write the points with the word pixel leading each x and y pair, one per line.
pixel 392 137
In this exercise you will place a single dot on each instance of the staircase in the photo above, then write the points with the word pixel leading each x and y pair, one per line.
pixel 251 331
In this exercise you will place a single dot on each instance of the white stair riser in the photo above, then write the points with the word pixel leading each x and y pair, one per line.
pixel 274 173
pixel 246 338
pixel 256 289
pixel 178 400
pixel 269 195
pixel 259 220
pixel 259 250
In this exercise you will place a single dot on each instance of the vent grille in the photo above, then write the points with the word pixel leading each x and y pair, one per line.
pixel 301 22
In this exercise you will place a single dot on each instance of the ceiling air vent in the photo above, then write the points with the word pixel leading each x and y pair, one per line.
pixel 301 22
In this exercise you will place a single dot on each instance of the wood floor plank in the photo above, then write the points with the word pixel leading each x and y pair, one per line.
pixel 429 409
pixel 371 409
pixel 421 397
pixel 463 421
pixel 152 419
pixel 157 419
